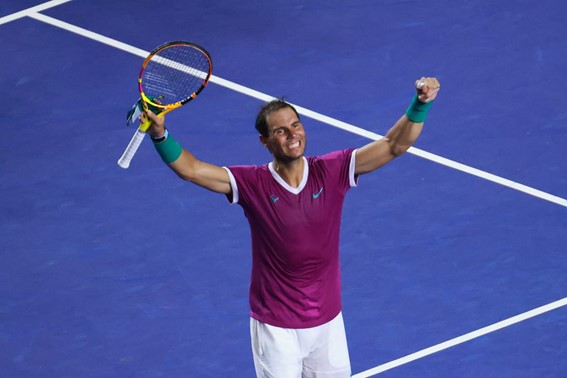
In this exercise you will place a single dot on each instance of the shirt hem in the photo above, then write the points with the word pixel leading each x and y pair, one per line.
pixel 293 325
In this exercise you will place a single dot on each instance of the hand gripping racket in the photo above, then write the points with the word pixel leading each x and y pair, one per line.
pixel 175 73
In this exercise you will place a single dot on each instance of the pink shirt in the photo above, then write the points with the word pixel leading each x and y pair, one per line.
pixel 295 280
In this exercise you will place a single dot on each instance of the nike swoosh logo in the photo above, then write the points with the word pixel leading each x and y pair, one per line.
pixel 316 195
pixel 274 199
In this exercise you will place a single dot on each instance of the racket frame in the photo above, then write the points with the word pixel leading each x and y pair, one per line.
pixel 139 135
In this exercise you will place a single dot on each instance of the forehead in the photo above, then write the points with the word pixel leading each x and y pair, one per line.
pixel 281 118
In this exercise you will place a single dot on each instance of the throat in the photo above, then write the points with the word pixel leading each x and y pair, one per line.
pixel 291 172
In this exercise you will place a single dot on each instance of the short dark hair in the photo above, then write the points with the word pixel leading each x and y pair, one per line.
pixel 267 109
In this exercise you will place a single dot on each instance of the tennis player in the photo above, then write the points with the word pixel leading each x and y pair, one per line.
pixel 293 205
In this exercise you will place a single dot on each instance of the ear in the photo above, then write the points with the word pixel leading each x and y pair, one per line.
pixel 263 140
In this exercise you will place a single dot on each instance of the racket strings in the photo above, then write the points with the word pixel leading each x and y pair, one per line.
pixel 175 73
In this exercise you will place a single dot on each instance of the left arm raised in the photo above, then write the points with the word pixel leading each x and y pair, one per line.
pixel 400 137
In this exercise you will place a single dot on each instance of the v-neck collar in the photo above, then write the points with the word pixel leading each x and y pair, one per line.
pixel 284 184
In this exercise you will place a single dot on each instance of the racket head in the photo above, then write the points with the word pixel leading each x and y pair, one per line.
pixel 173 74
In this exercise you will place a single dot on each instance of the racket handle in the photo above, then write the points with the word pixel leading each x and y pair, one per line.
pixel 130 151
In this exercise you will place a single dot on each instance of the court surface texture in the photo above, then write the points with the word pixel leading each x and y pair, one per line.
pixel 453 256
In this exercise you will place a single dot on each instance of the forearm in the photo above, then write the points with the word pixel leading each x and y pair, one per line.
pixel 403 135
pixel 182 162
pixel 185 165
pixel 396 142
pixel 188 167
pixel 408 128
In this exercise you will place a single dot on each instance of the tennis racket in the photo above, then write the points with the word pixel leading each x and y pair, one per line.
pixel 171 76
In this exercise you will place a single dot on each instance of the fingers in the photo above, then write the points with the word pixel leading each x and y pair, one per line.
pixel 157 125
pixel 152 116
pixel 426 83
pixel 427 88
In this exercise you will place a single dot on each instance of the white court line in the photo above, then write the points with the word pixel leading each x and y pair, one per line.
pixel 311 114
pixel 32 12
pixel 461 339
pixel 89 34
pixel 27 12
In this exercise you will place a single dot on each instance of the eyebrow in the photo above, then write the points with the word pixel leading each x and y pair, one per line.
pixel 294 124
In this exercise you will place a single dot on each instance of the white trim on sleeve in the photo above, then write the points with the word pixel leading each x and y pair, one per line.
pixel 233 186
pixel 352 169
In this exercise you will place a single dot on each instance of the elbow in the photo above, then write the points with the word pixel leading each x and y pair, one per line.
pixel 398 150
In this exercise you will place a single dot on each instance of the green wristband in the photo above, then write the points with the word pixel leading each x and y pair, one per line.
pixel 169 149
pixel 417 111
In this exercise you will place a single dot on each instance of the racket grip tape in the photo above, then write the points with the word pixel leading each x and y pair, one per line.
pixel 130 151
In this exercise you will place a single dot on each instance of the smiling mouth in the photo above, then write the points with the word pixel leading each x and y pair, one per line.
pixel 294 145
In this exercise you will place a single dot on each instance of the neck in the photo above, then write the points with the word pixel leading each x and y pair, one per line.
pixel 290 171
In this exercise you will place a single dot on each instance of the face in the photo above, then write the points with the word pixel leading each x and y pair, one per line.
pixel 286 136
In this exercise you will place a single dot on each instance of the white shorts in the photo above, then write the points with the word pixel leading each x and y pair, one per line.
pixel 294 353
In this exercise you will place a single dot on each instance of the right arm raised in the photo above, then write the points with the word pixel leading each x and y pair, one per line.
pixel 189 168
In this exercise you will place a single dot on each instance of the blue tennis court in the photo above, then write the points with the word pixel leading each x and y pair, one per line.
pixel 454 257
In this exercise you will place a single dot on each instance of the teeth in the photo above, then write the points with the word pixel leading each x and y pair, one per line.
pixel 295 145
